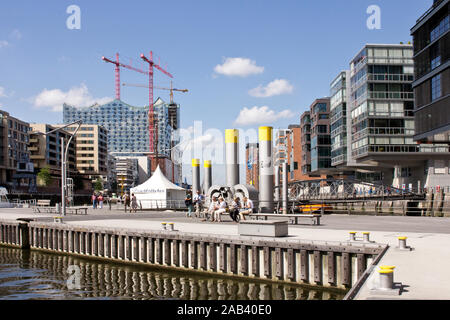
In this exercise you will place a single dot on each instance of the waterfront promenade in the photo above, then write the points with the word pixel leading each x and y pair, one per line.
pixel 422 272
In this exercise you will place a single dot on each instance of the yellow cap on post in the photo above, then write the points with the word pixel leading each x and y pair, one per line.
pixel 386 271
pixel 387 267
pixel 366 232
pixel 265 133
pixel 352 232
pixel 401 238
pixel 207 163
pixel 231 136
pixel 195 162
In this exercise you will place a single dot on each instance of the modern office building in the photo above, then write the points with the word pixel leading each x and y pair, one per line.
pixel 127 174
pixel 305 128
pixel 280 152
pixel 91 145
pixel 338 118
pixel 252 164
pixel 127 128
pixel 382 117
pixel 431 38
pixel 320 136
pixel 45 150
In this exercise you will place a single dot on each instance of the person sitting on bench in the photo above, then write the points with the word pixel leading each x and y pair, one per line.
pixel 212 208
pixel 235 207
pixel 247 207
pixel 222 209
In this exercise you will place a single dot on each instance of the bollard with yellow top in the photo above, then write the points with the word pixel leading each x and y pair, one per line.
pixel 232 157
pixel 266 173
pixel 195 176
pixel 207 181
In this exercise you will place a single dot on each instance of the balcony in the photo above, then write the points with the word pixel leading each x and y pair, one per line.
pixel 382 95
pixel 405 78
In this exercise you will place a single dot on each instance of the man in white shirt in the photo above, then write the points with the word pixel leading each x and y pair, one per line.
pixel 222 209
pixel 213 206
pixel 198 202
pixel 247 207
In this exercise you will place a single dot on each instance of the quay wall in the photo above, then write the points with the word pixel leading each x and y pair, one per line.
pixel 327 264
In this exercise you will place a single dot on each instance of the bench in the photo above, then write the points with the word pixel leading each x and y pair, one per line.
pixel 272 228
pixel 76 210
pixel 44 205
pixel 293 218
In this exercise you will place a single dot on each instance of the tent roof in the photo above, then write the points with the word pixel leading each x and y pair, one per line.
pixel 156 182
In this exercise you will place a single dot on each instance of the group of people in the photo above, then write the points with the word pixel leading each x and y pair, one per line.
pixel 130 201
pixel 97 200
pixel 219 206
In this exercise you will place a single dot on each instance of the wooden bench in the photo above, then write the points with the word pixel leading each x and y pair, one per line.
pixel 293 218
pixel 76 210
pixel 44 205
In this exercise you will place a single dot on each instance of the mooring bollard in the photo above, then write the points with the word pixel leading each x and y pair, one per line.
pixel 171 225
pixel 386 277
pixel 402 243
pixel 163 224
pixel 352 235
pixel 366 236
pixel 57 219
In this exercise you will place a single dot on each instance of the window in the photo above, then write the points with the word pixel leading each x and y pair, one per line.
pixel 440 29
pixel 436 91
pixel 435 56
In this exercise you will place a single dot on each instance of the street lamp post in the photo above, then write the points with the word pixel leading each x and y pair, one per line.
pixel 64 153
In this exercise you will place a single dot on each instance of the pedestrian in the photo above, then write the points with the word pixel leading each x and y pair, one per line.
pixel 221 209
pixel 198 202
pixel 235 207
pixel 188 203
pixel 94 201
pixel 134 204
pixel 247 207
pixel 100 201
pixel 127 201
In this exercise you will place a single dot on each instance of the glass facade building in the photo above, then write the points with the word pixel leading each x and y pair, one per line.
pixel 127 125
pixel 431 36
pixel 382 101
pixel 338 119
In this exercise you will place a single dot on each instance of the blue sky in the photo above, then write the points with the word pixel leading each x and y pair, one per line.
pixel 305 43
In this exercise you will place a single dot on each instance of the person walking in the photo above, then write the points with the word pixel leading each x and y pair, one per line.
pixel 94 201
pixel 247 207
pixel 222 209
pixel 127 201
pixel 235 207
pixel 100 201
pixel 188 203
pixel 134 203
pixel 198 201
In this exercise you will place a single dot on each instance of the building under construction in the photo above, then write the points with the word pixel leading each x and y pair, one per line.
pixel 128 134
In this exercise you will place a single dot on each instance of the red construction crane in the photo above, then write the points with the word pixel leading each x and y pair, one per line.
pixel 117 72
pixel 153 125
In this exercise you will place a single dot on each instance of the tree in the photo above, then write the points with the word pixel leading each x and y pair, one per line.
pixel 98 185
pixel 44 176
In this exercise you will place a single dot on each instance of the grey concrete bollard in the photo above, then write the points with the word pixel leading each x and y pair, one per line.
pixel 366 236
pixel 164 225
pixel 171 226
pixel 352 235
pixel 386 277
pixel 402 243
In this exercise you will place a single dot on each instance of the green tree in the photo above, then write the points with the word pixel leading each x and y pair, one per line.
pixel 98 185
pixel 44 176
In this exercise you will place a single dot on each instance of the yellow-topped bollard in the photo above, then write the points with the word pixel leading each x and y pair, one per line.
pixel 402 243
pixel 195 176
pixel 386 277
pixel 232 157
pixel 266 172
pixel 352 235
pixel 163 224
pixel 171 225
pixel 366 236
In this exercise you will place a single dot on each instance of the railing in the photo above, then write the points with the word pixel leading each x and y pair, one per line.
pixel 390 95
pixel 391 77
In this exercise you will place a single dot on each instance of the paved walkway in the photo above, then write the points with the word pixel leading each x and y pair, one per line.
pixel 423 272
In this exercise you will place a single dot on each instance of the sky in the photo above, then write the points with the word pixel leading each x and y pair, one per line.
pixel 245 63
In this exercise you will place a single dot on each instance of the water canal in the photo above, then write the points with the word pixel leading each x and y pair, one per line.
pixel 29 274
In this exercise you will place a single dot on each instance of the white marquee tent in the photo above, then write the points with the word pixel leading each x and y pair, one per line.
pixel 159 192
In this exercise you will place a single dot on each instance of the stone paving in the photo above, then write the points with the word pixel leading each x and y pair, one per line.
pixel 423 272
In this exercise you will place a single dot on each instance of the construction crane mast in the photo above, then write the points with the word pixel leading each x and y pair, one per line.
pixel 118 64
pixel 152 122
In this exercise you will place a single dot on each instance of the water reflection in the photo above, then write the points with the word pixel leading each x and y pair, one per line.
pixel 34 275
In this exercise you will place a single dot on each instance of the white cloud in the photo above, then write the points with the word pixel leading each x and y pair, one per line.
pixel 241 67
pixel 261 115
pixel 15 34
pixel 4 43
pixel 2 92
pixel 274 88
pixel 75 96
